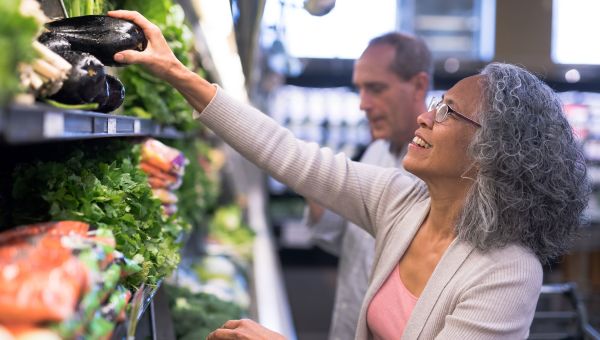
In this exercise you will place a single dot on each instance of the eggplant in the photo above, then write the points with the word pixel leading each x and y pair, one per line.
pixel 87 79
pixel 100 35
pixel 54 42
pixel 113 97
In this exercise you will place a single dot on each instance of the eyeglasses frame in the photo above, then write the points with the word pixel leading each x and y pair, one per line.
pixel 437 105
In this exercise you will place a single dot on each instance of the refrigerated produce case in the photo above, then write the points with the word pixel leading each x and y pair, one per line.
pixel 29 129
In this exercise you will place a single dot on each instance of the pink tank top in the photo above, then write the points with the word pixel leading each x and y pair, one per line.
pixel 390 308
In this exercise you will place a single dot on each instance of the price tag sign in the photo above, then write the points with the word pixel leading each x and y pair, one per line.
pixel 54 124
pixel 137 126
pixel 112 125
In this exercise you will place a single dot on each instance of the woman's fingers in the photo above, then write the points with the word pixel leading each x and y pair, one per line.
pixel 231 324
pixel 128 57
pixel 222 334
pixel 244 329
pixel 150 29
pixel 134 16
pixel 227 331
pixel 157 56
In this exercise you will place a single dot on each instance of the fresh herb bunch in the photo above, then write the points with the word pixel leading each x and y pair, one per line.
pixel 17 32
pixel 103 186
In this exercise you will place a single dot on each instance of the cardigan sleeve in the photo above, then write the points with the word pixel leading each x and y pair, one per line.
pixel 351 189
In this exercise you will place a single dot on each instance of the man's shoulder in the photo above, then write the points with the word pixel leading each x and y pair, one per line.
pixel 379 145
pixel 379 153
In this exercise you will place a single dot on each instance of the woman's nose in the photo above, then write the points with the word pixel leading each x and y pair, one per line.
pixel 427 118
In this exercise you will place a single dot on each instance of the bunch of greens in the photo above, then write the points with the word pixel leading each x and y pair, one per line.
pixel 17 32
pixel 148 96
pixel 103 186
pixel 77 8
pixel 228 229
pixel 195 315
pixel 200 189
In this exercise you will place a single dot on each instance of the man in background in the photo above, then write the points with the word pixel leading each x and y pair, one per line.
pixel 392 76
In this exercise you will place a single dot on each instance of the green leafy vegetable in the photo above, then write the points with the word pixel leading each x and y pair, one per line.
pixel 103 186
pixel 228 228
pixel 195 315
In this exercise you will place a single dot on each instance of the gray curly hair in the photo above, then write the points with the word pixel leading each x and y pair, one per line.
pixel 532 185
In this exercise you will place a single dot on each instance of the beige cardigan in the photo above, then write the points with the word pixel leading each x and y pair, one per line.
pixel 470 295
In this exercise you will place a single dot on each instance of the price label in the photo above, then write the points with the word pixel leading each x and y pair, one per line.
pixel 137 126
pixel 112 125
pixel 54 124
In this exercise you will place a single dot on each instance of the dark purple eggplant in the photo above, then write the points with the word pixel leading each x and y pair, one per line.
pixel 54 42
pixel 100 35
pixel 87 79
pixel 115 94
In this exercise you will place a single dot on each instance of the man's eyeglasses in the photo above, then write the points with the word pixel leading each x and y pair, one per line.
pixel 442 111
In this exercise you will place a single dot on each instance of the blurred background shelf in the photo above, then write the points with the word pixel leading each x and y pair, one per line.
pixel 26 124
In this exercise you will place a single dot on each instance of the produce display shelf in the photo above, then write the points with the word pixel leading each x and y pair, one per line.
pixel 151 322
pixel 21 124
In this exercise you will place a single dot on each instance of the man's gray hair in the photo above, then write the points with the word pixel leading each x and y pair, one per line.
pixel 412 54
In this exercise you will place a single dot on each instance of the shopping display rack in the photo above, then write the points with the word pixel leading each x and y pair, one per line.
pixel 40 123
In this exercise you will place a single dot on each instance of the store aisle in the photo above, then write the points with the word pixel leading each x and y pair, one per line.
pixel 309 277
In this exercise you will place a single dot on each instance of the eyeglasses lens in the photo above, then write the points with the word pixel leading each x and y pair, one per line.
pixel 441 112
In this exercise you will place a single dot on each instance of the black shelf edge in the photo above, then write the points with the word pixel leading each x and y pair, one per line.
pixel 27 124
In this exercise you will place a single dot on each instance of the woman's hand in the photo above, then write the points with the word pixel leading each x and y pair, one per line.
pixel 157 57
pixel 160 60
pixel 244 329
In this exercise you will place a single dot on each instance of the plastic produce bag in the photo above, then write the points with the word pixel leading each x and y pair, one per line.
pixel 41 279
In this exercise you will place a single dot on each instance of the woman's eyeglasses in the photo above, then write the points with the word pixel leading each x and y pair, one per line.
pixel 443 110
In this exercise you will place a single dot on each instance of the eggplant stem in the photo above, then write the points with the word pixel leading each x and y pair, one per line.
pixel 87 106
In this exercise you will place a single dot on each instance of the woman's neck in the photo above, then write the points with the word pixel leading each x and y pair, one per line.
pixel 446 205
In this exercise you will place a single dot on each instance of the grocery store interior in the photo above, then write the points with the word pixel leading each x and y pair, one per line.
pixel 157 229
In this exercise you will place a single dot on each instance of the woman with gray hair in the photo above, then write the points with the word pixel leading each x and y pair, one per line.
pixel 458 254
